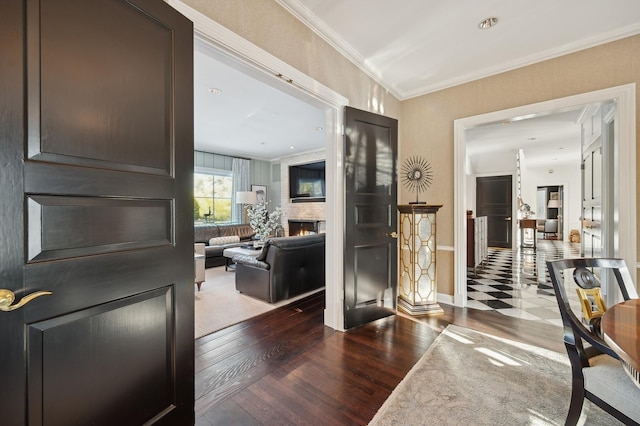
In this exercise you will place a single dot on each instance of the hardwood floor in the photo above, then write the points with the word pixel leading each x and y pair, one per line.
pixel 285 367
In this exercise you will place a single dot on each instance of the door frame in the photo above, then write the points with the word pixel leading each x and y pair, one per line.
pixel 514 194
pixel 625 98
pixel 262 65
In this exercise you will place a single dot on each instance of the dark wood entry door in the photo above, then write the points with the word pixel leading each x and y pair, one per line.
pixel 494 200
pixel 96 157
pixel 370 268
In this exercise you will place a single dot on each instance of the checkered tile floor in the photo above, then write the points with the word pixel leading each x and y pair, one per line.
pixel 516 282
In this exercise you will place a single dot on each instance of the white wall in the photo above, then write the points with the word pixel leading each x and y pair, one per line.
pixel 493 164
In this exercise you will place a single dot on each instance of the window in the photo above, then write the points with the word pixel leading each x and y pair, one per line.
pixel 212 197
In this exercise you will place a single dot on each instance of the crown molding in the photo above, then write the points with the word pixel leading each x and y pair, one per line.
pixel 337 42
pixel 566 49
pixel 332 38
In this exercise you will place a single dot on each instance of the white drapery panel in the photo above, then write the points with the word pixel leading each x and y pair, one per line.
pixel 241 169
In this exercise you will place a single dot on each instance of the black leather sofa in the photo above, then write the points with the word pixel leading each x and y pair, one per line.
pixel 213 253
pixel 286 267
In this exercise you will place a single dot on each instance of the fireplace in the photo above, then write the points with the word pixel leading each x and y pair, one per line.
pixel 305 226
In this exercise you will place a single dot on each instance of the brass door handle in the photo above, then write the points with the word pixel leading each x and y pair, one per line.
pixel 7 297
pixel 394 234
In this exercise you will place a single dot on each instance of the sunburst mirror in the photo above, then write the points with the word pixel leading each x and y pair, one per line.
pixel 416 175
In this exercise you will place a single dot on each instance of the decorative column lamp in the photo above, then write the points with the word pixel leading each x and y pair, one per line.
pixel 418 290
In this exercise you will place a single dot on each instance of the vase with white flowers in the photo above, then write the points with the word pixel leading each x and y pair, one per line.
pixel 263 222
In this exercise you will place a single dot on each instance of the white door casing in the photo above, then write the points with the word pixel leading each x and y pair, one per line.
pixel 625 171
pixel 260 64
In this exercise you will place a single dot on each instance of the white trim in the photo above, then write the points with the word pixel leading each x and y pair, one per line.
pixel 566 49
pixel 259 61
pixel 445 298
pixel 626 169
pixel 334 40
pixel 302 13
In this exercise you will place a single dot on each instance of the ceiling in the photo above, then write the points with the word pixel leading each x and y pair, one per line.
pixel 248 118
pixel 551 140
pixel 417 49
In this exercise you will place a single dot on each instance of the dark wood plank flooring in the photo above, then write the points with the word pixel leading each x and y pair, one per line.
pixel 285 367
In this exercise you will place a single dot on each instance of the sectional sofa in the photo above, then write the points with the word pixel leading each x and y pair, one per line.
pixel 218 237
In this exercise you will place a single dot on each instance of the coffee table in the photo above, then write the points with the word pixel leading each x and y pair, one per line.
pixel 233 251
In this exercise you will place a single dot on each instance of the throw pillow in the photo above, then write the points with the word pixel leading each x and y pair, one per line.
pixel 218 241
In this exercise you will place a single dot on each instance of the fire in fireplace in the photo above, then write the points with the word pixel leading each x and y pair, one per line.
pixel 305 227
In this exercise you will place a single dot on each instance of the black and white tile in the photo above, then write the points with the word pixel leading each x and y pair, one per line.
pixel 516 283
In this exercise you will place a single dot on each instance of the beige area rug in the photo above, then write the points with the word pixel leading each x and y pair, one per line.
pixel 218 305
pixel 471 378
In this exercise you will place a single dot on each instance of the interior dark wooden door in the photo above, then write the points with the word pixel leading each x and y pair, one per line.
pixel 370 261
pixel 96 154
pixel 494 200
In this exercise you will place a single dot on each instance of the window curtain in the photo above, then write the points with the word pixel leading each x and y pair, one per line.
pixel 241 170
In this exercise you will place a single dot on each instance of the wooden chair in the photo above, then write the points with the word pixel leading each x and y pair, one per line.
pixel 540 226
pixel 597 373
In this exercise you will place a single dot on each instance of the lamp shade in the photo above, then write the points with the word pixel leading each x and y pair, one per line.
pixel 246 197
pixel 553 204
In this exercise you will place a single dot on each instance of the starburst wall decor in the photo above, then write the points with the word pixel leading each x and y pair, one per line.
pixel 416 174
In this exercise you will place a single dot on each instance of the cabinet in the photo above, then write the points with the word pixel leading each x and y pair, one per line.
pixel 477 246
pixel 418 288
pixel 549 201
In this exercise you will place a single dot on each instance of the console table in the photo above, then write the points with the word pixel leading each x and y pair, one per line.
pixel 526 226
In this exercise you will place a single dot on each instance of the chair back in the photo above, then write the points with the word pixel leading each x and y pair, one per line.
pixel 551 226
pixel 567 275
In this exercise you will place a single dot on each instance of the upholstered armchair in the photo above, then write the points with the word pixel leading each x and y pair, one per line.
pixel 198 260
pixel 286 267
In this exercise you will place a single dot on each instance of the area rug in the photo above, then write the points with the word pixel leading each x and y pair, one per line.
pixel 470 378
pixel 218 305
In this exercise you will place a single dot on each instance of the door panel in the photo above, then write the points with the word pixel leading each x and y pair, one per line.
pixel 142 325
pixel 123 121
pixel 494 200
pixel 370 216
pixel 98 199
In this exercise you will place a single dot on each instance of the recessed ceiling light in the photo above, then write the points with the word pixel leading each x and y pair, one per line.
pixel 487 23
pixel 264 143
pixel 292 147
pixel 319 129
pixel 215 91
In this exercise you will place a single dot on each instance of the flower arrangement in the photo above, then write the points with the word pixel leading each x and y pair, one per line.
pixel 263 223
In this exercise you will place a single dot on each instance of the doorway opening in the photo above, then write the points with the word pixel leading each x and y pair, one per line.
pixel 549 212
pixel 252 60
pixel 623 173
